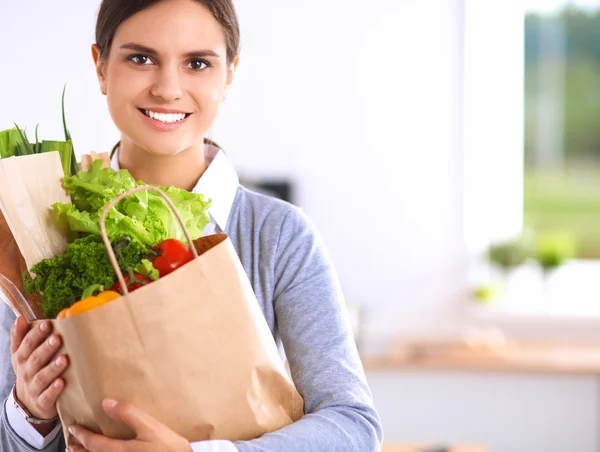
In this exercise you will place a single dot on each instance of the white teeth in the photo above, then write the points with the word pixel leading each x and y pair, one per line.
pixel 167 118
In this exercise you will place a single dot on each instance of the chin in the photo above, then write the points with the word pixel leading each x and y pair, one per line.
pixel 164 149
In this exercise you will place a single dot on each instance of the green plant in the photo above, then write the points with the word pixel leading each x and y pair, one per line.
pixel 509 254
pixel 554 248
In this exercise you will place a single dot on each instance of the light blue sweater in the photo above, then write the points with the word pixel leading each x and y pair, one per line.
pixel 300 297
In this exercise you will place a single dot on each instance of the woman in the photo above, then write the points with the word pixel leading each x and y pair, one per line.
pixel 165 66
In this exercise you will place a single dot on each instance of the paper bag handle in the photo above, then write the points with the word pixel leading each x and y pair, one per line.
pixel 107 244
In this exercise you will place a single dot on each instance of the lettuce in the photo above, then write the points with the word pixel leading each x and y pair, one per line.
pixel 144 216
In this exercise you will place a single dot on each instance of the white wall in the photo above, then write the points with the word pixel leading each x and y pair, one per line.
pixel 358 102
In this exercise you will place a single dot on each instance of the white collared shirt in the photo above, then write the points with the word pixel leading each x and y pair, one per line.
pixel 219 183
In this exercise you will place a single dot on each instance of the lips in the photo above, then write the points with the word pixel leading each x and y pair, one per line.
pixel 164 120
pixel 165 116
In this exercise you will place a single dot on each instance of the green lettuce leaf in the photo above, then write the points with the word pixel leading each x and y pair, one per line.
pixel 143 216
pixel 78 221
pixel 92 190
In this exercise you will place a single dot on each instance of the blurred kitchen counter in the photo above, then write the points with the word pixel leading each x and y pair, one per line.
pixel 425 448
pixel 487 390
pixel 508 356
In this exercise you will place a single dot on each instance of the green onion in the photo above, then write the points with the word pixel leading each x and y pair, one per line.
pixel 9 140
pixel 74 167
pixel 64 148
pixel 14 142
pixel 23 147
pixel 38 146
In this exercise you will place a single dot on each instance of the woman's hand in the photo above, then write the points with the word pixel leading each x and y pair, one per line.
pixel 38 378
pixel 150 434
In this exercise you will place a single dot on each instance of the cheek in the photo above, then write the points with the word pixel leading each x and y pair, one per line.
pixel 209 97
pixel 123 87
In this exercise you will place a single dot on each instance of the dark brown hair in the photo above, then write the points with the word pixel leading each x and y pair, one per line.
pixel 114 12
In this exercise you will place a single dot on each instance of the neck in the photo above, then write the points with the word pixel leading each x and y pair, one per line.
pixel 182 170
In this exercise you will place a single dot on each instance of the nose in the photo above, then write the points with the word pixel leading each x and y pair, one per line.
pixel 167 85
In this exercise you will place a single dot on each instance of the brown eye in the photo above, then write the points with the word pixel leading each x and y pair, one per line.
pixel 198 65
pixel 142 60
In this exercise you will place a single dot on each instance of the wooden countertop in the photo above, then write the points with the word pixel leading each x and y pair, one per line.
pixel 575 359
pixel 423 448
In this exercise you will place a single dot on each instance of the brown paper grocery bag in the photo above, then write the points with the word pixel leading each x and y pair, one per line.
pixel 29 185
pixel 191 349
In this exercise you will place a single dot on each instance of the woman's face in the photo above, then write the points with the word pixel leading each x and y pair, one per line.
pixel 166 76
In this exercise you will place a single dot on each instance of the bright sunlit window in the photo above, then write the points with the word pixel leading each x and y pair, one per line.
pixel 562 115
pixel 533 210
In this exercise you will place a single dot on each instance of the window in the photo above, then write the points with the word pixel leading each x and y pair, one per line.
pixel 532 144
pixel 562 121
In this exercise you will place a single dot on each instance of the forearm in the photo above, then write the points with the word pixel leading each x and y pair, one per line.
pixel 333 429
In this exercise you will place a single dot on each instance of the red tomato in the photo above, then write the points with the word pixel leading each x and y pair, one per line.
pixel 139 280
pixel 172 254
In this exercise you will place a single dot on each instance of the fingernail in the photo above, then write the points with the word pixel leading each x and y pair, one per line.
pixel 57 384
pixel 53 340
pixel 59 361
pixel 110 403
pixel 44 326
pixel 72 430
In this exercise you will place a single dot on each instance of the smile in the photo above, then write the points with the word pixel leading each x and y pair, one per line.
pixel 165 118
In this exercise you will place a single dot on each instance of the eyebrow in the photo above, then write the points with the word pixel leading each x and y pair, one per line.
pixel 152 52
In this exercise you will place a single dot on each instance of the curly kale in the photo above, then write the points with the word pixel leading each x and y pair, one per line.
pixel 62 281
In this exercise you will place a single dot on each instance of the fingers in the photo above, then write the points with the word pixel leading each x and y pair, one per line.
pixel 32 340
pixel 94 442
pixel 47 399
pixel 17 333
pixel 141 423
pixel 42 355
pixel 77 449
pixel 38 383
pixel 45 377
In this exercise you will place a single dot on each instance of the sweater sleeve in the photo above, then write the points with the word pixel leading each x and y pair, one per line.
pixel 314 327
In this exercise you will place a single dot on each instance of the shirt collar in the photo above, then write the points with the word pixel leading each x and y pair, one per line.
pixel 219 183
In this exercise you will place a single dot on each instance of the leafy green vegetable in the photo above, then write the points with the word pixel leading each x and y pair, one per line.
pixel 23 146
pixel 64 148
pixel 147 269
pixel 92 190
pixel 63 280
pixel 9 142
pixel 74 169
pixel 143 216
pixel 14 142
